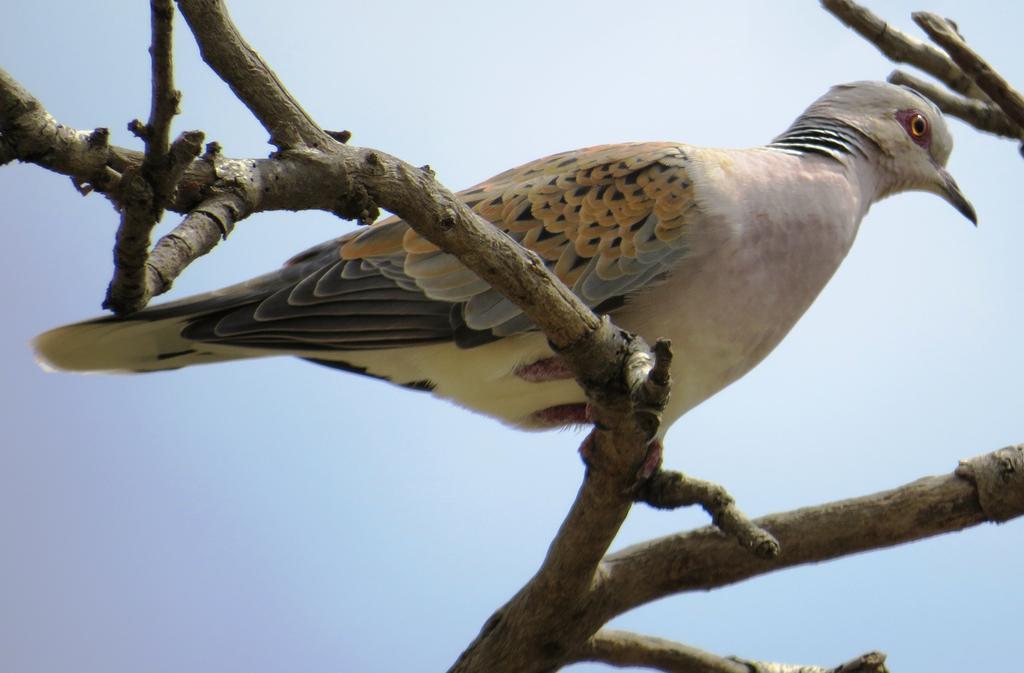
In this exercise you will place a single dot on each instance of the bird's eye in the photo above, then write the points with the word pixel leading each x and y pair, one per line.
pixel 916 125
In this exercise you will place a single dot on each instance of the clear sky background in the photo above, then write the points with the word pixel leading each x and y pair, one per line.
pixel 275 516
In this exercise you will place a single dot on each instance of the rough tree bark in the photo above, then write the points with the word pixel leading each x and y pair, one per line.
pixel 557 618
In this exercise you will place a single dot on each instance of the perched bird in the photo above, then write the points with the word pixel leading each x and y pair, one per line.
pixel 719 250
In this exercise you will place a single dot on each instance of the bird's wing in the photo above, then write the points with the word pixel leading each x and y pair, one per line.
pixel 607 220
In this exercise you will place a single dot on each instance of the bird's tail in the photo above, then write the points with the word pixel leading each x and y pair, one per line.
pixel 151 340
pixel 113 345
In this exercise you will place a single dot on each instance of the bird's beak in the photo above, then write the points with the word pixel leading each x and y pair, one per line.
pixel 949 190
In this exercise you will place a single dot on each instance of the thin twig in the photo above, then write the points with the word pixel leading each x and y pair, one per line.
pixel 671 490
pixel 982 116
pixel 902 48
pixel 197 234
pixel 872 662
pixel 623 648
pixel 970 62
pixel 165 98
pixel 146 193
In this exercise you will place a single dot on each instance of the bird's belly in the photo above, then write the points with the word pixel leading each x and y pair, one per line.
pixel 485 378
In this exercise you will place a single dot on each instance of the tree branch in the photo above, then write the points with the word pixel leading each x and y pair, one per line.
pixel 986 488
pixel 552 614
pixel 872 662
pixel 165 98
pixel 901 48
pixel 31 134
pixel 989 487
pixel 623 648
pixel 205 226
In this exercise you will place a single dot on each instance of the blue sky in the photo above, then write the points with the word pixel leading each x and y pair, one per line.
pixel 276 516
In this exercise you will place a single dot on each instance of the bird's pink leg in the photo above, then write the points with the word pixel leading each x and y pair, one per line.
pixel 562 415
pixel 548 369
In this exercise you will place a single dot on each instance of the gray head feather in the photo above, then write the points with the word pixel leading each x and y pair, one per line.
pixel 875 121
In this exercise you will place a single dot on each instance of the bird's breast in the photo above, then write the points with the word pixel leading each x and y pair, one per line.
pixel 730 302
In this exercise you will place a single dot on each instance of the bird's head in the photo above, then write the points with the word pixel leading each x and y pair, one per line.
pixel 908 132
pixel 902 129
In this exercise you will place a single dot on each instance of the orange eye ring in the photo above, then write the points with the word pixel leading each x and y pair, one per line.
pixel 917 125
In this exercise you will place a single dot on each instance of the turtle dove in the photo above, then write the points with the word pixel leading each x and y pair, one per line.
pixel 720 250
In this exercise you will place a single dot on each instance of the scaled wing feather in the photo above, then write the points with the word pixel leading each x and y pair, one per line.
pixel 607 220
